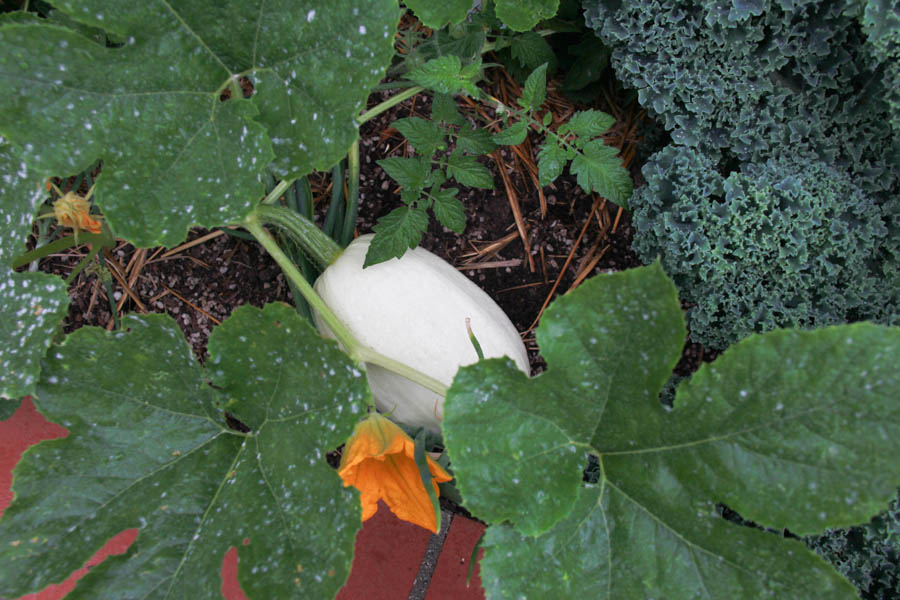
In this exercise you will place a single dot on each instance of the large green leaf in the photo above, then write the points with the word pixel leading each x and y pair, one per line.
pixel 173 153
pixel 522 15
pixel 436 14
pixel 32 305
pixel 148 447
pixel 590 347
pixel 611 547
pixel 792 429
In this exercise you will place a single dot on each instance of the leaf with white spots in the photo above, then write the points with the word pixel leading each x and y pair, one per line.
pixel 175 154
pixel 149 448
pixel 791 429
pixel 32 305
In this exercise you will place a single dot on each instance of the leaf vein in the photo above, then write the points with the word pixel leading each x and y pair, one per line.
pixel 684 540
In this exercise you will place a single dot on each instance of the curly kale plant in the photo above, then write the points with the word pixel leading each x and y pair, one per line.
pixel 788 242
pixel 755 77
pixel 868 555
pixel 881 20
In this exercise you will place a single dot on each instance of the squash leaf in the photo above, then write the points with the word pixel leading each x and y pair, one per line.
pixel 791 429
pixel 174 153
pixel 437 14
pixel 148 448
pixel 32 305
pixel 522 15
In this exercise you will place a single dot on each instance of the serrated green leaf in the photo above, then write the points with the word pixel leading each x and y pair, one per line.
pixel 522 15
pixel 442 74
pixel 547 118
pixel 448 210
pixel 513 135
pixel 591 123
pixel 535 90
pixel 438 14
pixel 395 233
pixel 599 169
pixel 475 141
pixel 32 305
pixel 468 171
pixel 425 136
pixel 443 108
pixel 792 429
pixel 532 50
pixel 410 197
pixel 436 179
pixel 148 448
pixel 410 172
pixel 173 154
pixel 551 161
pixel 469 74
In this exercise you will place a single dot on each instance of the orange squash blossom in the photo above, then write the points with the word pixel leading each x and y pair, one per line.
pixel 379 461
pixel 72 210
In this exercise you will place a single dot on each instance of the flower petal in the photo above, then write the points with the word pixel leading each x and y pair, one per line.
pixel 379 460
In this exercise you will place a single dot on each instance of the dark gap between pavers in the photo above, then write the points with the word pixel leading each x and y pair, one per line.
pixel 448 582
pixel 429 561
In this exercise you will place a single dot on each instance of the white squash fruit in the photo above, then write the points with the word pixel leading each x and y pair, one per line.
pixel 414 310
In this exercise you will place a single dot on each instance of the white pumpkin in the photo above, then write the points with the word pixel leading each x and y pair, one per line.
pixel 414 310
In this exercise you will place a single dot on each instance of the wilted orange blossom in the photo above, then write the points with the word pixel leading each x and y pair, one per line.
pixel 71 210
pixel 379 461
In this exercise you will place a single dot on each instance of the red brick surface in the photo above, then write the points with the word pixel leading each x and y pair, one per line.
pixel 388 554
pixel 449 579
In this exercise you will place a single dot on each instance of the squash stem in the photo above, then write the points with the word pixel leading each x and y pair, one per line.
pixel 387 104
pixel 351 346
pixel 277 192
pixel 366 354
pixel 312 240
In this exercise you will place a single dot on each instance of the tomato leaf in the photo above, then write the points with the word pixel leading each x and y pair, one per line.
pixel 148 448
pixel 395 233
pixel 448 209
pixel 551 161
pixel 535 91
pixel 590 123
pixel 791 429
pixel 409 172
pixel 425 136
pixel 598 168
pixel 447 75
pixel 465 169
pixel 513 135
